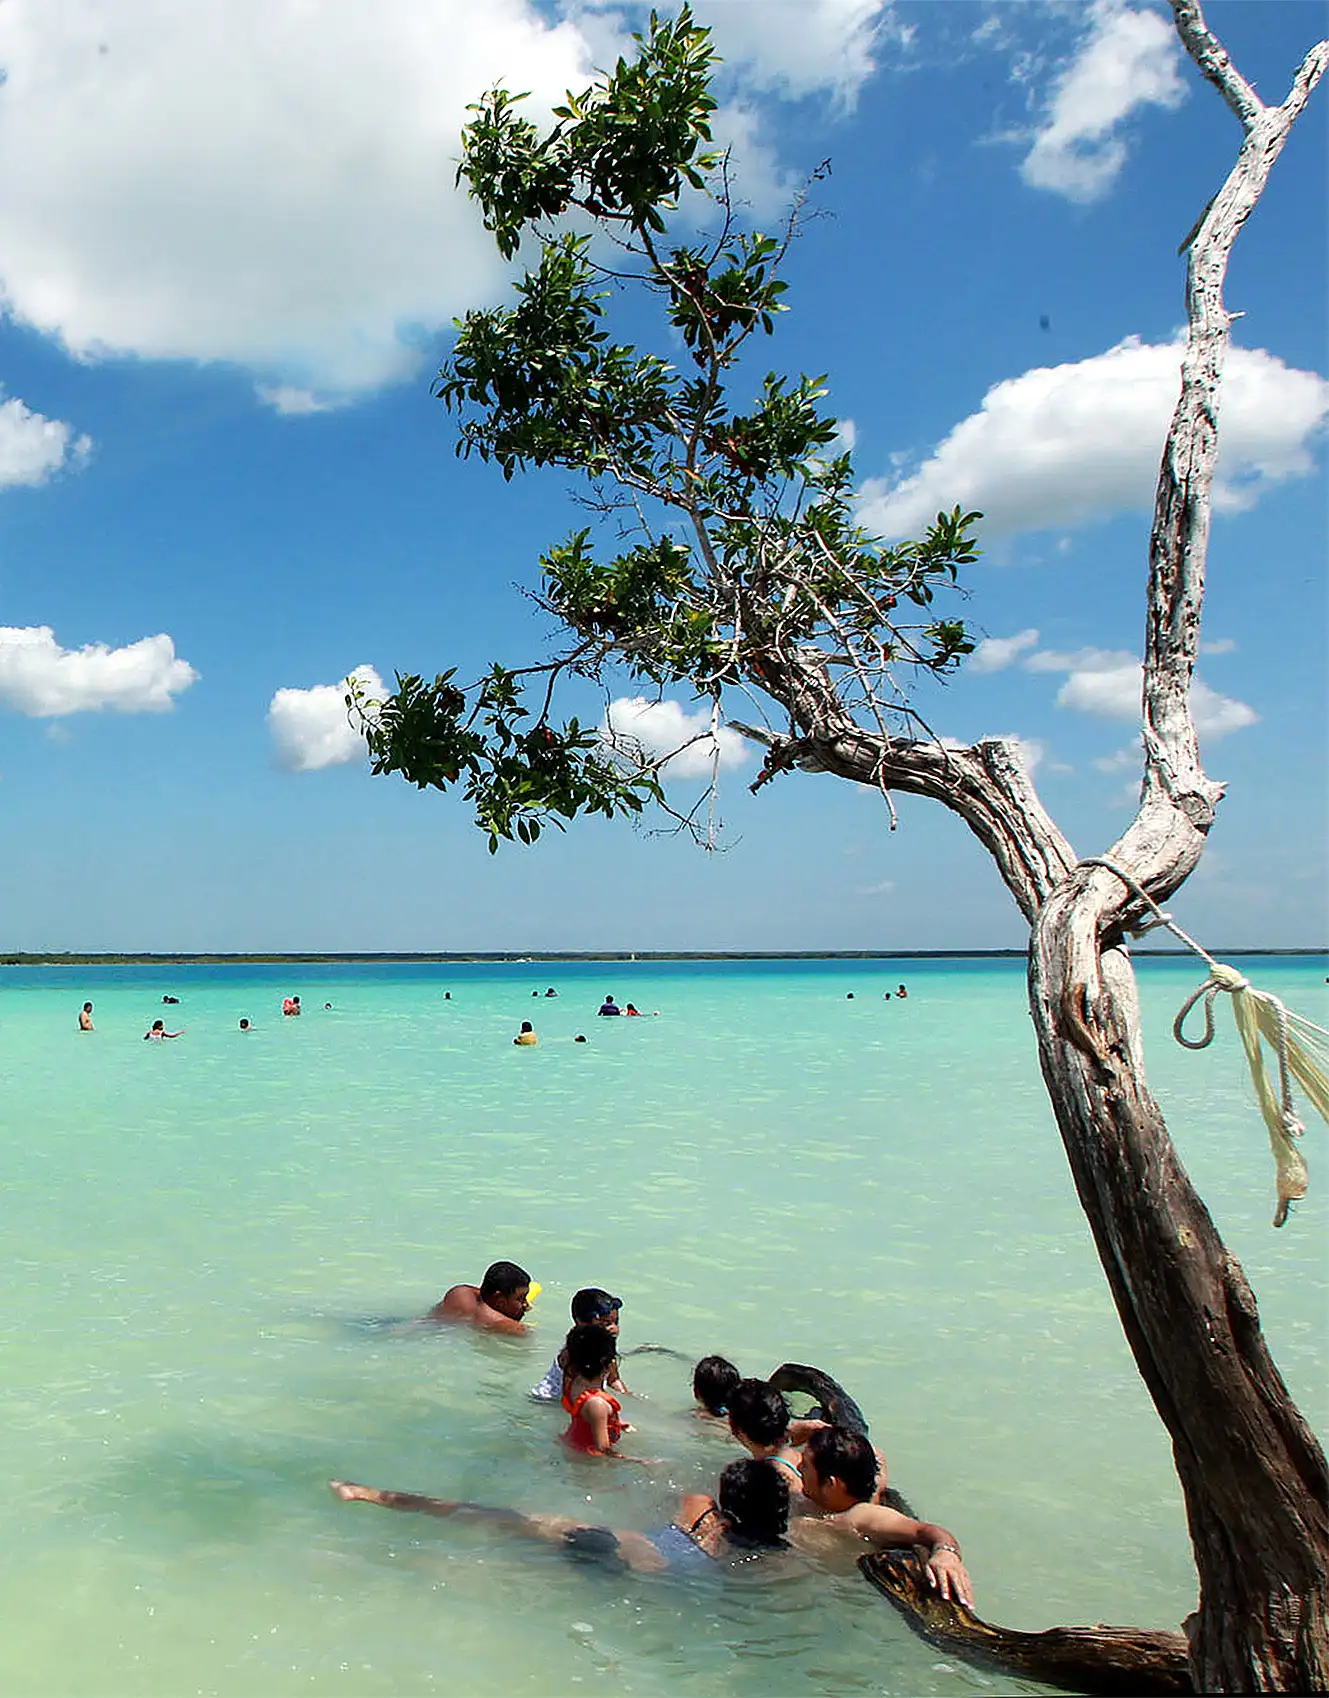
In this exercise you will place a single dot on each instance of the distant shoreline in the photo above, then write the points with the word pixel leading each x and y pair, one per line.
pixel 545 957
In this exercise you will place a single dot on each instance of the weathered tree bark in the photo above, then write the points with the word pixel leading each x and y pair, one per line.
pixel 1252 1473
pixel 1131 1661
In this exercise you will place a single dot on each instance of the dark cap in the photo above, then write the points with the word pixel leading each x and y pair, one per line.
pixel 592 1304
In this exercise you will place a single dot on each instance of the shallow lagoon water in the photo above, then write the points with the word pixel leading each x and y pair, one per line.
pixel 205 1239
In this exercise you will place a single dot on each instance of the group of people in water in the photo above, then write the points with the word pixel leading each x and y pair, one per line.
pixel 291 1009
pixel 811 1484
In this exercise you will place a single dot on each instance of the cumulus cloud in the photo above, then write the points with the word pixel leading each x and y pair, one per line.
pixel 1107 683
pixel 33 448
pixel 45 681
pixel 994 654
pixel 312 729
pixel 270 182
pixel 266 182
pixel 1065 445
pixel 666 728
pixel 1129 59
pixel 295 403
pixel 799 46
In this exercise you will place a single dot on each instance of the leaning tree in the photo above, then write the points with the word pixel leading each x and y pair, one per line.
pixel 735 566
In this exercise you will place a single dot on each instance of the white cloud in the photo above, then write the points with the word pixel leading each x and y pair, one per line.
pixel 799 46
pixel 312 729
pixel 1030 752
pixel 32 447
pixel 663 727
pixel 286 398
pixel 1216 715
pixel 1066 445
pixel 44 681
pixel 1129 59
pixel 1107 683
pixel 1219 645
pixel 270 182
pixel 1121 760
pixel 994 654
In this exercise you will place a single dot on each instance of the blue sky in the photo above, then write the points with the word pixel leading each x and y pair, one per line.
pixel 230 250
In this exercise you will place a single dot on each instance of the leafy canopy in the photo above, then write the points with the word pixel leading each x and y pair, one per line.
pixel 734 558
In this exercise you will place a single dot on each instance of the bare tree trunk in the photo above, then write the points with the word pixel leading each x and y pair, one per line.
pixel 1252 1473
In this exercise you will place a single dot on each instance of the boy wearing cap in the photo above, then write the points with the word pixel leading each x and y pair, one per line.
pixel 590 1307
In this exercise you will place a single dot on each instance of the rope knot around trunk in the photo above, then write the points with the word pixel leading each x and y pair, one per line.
pixel 1300 1047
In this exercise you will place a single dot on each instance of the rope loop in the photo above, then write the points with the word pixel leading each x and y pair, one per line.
pixel 1208 990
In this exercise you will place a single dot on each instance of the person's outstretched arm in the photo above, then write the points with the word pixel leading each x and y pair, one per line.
pixel 945 1567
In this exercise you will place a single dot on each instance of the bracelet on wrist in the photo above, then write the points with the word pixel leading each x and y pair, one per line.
pixel 943 1546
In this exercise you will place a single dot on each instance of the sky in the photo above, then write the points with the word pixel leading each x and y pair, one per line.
pixel 231 251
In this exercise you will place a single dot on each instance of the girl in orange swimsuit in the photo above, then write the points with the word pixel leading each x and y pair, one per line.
pixel 595 1427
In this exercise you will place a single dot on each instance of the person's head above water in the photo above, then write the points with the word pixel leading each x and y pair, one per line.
pixel 244 1026
pixel 754 1499
pixel 526 1026
pixel 590 1351
pixel 506 1287
pixel 593 1305
pixel 839 1468
pixel 758 1413
pixel 713 1382
pixel 87 1008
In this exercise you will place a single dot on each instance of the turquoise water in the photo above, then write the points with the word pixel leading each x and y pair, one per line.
pixel 202 1235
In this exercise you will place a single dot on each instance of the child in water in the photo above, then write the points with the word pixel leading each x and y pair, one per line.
pixel 590 1306
pixel 713 1382
pixel 590 1358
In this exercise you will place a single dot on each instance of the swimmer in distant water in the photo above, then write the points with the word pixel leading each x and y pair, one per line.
pixel 551 991
pixel 901 991
pixel 158 1030
pixel 291 1005
pixel 580 1038
pixel 170 999
pixel 527 1034
pixel 245 1026
pixel 609 1006
pixel 714 1381
pixel 496 1304
pixel 748 1516
pixel 635 1012
pixel 85 1018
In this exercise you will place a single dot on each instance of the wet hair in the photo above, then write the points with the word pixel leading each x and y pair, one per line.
pixel 590 1352
pixel 580 1038
pixel 526 1025
pixel 592 1304
pixel 758 1412
pixel 713 1382
pixel 754 1500
pixel 836 1453
pixel 87 1008
pixel 502 1279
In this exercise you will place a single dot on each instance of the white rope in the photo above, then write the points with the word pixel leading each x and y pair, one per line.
pixel 1302 1048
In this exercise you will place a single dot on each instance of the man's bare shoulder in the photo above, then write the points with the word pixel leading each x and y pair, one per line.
pixel 461 1303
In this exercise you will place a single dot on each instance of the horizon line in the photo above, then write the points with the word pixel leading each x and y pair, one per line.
pixel 203 957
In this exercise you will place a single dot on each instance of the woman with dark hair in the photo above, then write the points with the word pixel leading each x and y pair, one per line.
pixel 748 1517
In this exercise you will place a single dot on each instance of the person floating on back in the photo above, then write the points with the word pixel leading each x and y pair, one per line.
pixel 498 1303
pixel 85 1018
pixel 591 1356
pixel 590 1307
pixel 526 1035
pixel 609 1006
